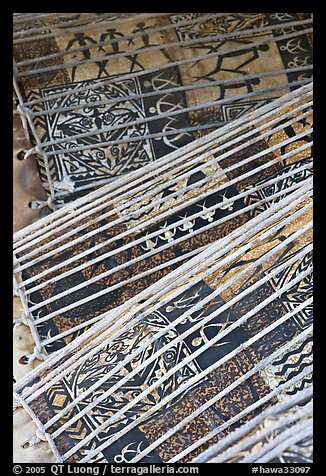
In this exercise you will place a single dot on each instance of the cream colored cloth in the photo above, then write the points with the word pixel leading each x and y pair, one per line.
pixel 23 343
pixel 27 185
pixel 23 430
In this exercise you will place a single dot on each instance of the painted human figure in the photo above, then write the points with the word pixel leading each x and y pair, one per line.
pixel 244 83
pixel 113 34
pixel 82 40
pixel 141 28
pixel 254 52
pixel 145 38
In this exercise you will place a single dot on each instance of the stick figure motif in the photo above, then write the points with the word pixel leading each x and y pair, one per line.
pixel 208 215
pixel 225 204
pixel 82 40
pixel 183 303
pixel 203 338
pixel 141 28
pixel 253 51
pixel 168 234
pixel 113 34
pixel 282 16
pixel 297 61
pixel 290 132
pixel 149 244
pixel 293 46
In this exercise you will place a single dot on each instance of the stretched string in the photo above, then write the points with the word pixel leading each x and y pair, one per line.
pixel 166 177
pixel 212 401
pixel 28 120
pixel 95 295
pixel 288 437
pixel 182 387
pixel 48 341
pixel 215 293
pixel 118 39
pixel 159 116
pixel 91 26
pixel 190 87
pixel 254 406
pixel 101 316
pixel 171 64
pixel 139 51
pixel 85 265
pixel 54 152
pixel 103 292
pixel 166 285
pixel 56 26
pixel 283 222
pixel 238 434
pixel 282 387
pixel 135 260
pixel 121 306
pixel 132 36
pixel 26 17
pixel 171 180
pixel 125 182
pixel 180 338
pixel 162 215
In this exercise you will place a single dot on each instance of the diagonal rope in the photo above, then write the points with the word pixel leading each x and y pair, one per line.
pixel 160 177
pixel 239 434
pixel 162 215
pixel 165 285
pixel 123 183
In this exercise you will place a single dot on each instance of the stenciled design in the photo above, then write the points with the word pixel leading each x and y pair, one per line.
pixel 226 24
pixel 87 165
pixel 169 233
pixel 154 360
pixel 108 107
pixel 103 46
pixel 128 452
pixel 218 323
pixel 235 59
pixel 284 184
pixel 295 52
pixel 234 56
pixel 288 366
pixel 299 293
pixel 137 339
pixel 226 112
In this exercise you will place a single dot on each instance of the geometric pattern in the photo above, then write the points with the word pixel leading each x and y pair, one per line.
pixel 299 293
pixel 137 338
pixel 271 189
pixel 87 167
pixel 74 171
